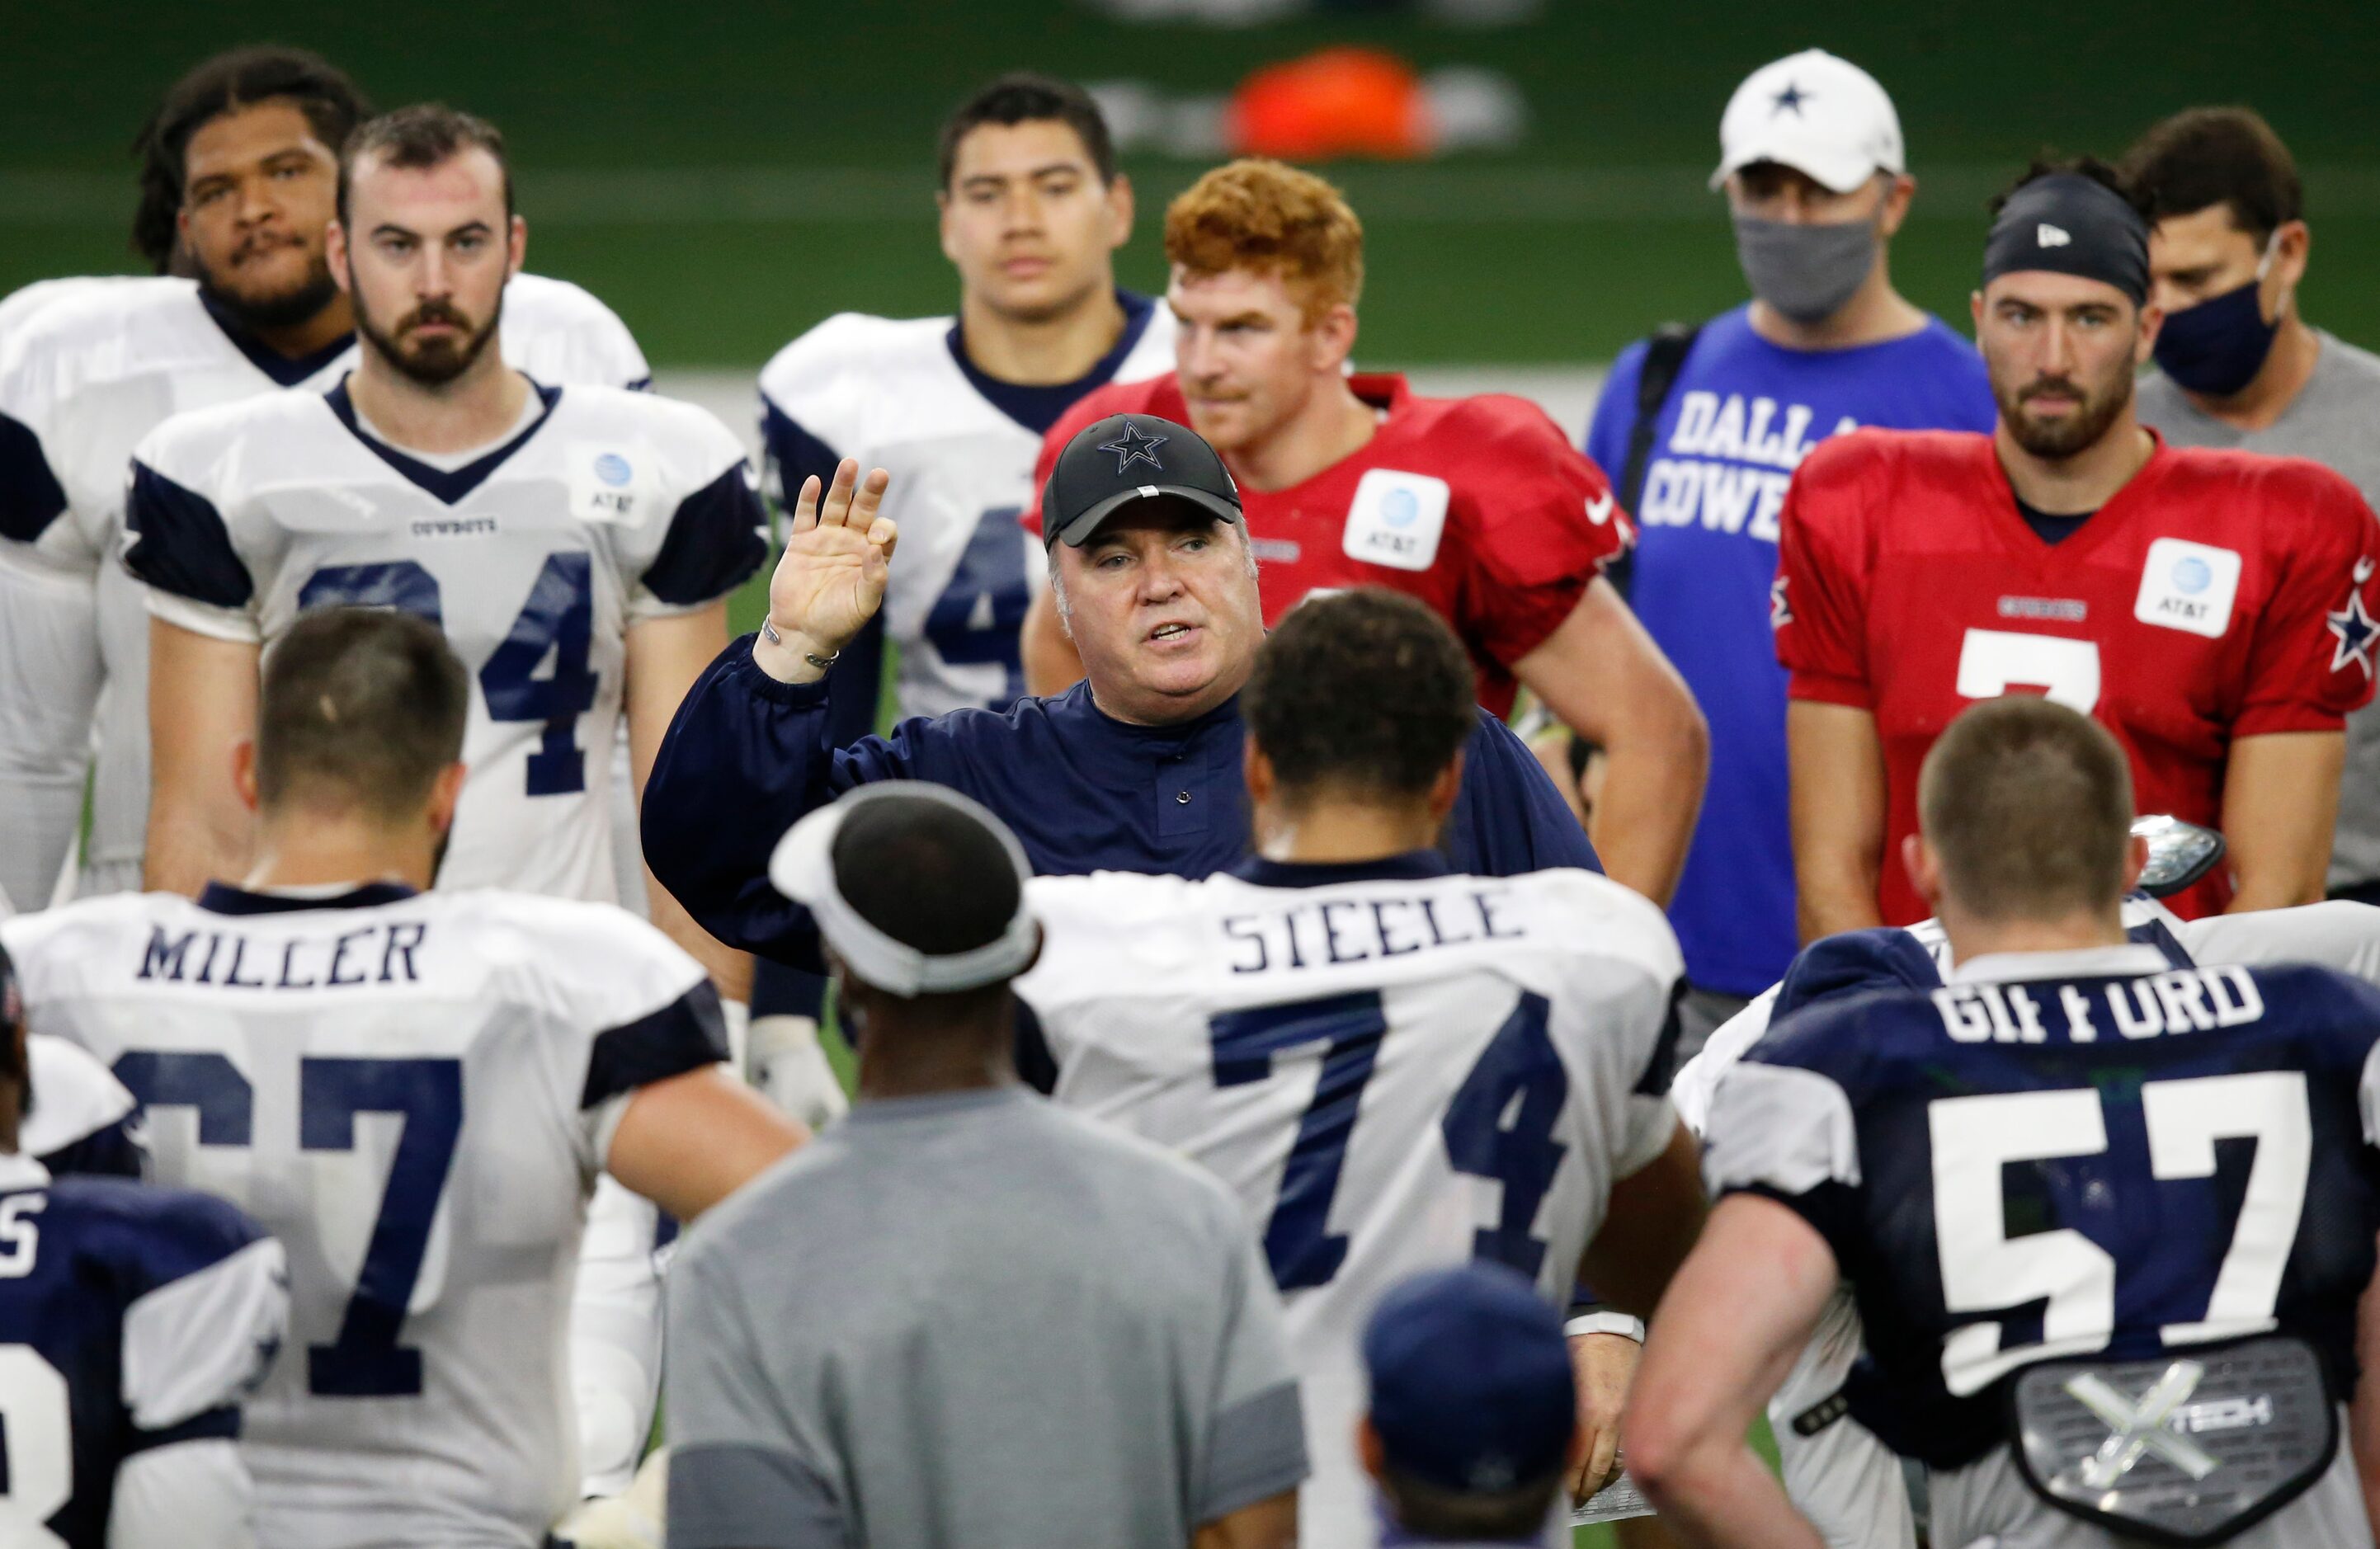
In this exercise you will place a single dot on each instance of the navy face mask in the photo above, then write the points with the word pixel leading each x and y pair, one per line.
pixel 2217 347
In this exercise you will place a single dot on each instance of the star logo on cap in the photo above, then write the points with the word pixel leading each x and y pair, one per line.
pixel 1791 97
pixel 2357 633
pixel 1135 446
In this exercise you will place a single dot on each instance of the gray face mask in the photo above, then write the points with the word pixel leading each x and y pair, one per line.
pixel 1805 272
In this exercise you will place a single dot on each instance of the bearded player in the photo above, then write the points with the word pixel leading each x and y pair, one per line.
pixel 2215 609
pixel 1479 506
pixel 576 544
pixel 1033 209
pixel 248 142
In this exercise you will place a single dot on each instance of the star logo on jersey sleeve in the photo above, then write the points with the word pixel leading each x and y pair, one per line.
pixel 1780 612
pixel 2357 632
pixel 1136 445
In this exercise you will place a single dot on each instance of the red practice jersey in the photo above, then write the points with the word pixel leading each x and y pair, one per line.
pixel 2218 594
pixel 1477 506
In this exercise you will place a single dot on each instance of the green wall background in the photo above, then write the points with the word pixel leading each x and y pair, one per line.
pixel 726 174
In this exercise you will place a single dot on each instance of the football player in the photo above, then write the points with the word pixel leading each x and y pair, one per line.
pixel 248 143
pixel 133 1322
pixel 2215 609
pixel 2076 1314
pixel 1843 1479
pixel 1479 506
pixel 1033 209
pixel 1397 1067
pixel 576 543
pixel 413 1091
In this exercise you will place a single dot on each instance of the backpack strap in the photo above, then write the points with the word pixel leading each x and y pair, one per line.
pixel 1665 356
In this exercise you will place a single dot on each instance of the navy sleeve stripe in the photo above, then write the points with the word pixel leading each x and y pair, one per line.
pixel 713 544
pixel 221 1424
pixel 642 384
pixel 1662 1069
pixel 111 1151
pixel 794 454
pixel 31 497
pixel 180 544
pixel 686 1034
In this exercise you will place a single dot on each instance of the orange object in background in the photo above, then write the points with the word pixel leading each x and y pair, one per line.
pixel 1341 102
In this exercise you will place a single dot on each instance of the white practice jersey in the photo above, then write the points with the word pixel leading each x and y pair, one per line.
pixel 1396 1068
pixel 1842 1477
pixel 896 394
pixel 83 379
pixel 414 1094
pixel 609 508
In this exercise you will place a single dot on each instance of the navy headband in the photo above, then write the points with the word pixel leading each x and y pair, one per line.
pixel 2070 225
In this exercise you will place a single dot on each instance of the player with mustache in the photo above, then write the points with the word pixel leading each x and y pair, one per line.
pixel 2216 611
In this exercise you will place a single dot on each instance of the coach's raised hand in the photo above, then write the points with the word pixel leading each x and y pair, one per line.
pixel 831 581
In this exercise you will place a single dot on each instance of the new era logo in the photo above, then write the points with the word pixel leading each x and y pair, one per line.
pixel 2048 236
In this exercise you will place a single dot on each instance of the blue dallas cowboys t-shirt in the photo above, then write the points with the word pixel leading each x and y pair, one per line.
pixel 1742 416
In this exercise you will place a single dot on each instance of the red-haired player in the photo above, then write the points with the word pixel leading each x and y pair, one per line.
pixel 1481 507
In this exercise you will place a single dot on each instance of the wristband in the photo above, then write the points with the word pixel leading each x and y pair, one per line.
pixel 1605 1323
pixel 769 632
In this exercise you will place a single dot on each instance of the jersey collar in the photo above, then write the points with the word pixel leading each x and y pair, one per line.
pixel 284 371
pixel 448 486
pixel 2110 517
pixel 20 1172
pixel 1413 865
pixel 1079 703
pixel 222 898
pixel 1037 406
pixel 2089 962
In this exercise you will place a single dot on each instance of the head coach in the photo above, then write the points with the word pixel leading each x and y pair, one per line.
pixel 1134 769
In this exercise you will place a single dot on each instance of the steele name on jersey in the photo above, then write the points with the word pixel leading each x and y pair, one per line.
pixel 1396 1068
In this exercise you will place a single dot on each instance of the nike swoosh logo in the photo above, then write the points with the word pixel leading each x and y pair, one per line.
pixel 2363 571
pixel 1599 511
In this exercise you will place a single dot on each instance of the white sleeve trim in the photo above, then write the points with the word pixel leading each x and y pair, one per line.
pixel 236 625
pixel 1697 1079
pixel 79 1096
pixel 194 1494
pixel 205 1340
pixel 1780 1127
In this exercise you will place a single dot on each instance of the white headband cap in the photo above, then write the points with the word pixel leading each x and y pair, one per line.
pixel 802 867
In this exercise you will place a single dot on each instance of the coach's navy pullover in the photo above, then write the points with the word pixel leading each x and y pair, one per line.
pixel 747 757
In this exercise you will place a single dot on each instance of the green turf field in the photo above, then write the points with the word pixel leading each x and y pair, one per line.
pixel 726 176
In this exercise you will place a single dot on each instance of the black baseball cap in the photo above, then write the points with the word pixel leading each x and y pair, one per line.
pixel 1127 457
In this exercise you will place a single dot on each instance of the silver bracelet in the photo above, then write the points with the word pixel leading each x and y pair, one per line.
pixel 769 632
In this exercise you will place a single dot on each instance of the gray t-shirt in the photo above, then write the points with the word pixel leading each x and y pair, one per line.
pixel 974 1319
pixel 2334 420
